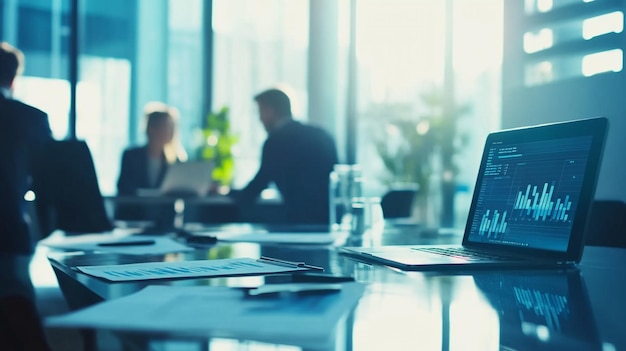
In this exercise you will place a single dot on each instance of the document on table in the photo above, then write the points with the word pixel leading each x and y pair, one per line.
pixel 306 320
pixel 187 269
pixel 113 243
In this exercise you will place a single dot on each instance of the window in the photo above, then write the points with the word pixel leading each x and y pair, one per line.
pixel 258 45
pixel 40 31
pixel 401 63
pixel 103 97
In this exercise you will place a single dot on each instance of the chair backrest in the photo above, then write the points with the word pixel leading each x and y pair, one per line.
pixel 398 203
pixel 66 188
pixel 607 224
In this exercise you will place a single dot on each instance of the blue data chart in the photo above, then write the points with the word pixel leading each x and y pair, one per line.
pixel 493 224
pixel 534 204
pixel 539 205
pixel 528 193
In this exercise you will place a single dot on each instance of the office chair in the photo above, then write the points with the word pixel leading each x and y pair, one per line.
pixel 607 224
pixel 66 188
pixel 398 203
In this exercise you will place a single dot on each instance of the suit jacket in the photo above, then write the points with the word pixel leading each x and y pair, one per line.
pixel 298 158
pixel 134 176
pixel 22 129
pixel 134 171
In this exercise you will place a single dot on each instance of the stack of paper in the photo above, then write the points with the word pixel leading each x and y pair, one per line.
pixel 306 320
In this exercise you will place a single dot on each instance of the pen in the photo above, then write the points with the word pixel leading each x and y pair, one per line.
pixel 201 240
pixel 279 262
pixel 129 243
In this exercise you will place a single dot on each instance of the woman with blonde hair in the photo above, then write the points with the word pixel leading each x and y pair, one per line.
pixel 144 167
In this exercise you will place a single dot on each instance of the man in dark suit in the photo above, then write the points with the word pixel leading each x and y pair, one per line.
pixel 297 158
pixel 22 129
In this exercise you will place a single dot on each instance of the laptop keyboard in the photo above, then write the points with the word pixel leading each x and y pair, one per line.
pixel 465 253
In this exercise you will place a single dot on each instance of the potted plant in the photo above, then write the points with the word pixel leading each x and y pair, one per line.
pixel 421 150
pixel 217 146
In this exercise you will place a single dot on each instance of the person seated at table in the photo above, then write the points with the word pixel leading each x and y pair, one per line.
pixel 297 157
pixel 144 167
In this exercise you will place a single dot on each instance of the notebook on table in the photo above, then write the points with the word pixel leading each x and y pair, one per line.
pixel 530 204
pixel 192 178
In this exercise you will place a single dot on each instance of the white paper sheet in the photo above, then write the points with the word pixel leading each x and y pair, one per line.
pixel 185 269
pixel 303 320
pixel 91 242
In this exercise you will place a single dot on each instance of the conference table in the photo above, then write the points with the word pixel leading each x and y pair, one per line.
pixel 173 210
pixel 581 308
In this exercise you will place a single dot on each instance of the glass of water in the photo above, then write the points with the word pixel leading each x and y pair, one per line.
pixel 345 184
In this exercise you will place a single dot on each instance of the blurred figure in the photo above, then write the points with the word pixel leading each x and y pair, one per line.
pixel 23 129
pixel 144 167
pixel 297 158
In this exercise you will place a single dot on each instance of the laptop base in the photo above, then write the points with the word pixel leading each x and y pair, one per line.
pixel 402 257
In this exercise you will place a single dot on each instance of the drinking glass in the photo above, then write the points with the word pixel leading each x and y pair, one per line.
pixel 367 216
pixel 345 184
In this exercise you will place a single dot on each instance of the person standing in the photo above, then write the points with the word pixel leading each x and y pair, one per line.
pixel 23 128
pixel 297 157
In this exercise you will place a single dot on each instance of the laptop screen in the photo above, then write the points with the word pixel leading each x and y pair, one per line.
pixel 529 191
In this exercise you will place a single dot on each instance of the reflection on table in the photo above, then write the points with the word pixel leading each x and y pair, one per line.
pixel 166 211
pixel 486 310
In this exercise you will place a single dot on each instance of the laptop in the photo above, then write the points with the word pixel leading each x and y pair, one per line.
pixel 192 178
pixel 530 204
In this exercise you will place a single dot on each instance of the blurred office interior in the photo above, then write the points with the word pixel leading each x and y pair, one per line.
pixel 409 89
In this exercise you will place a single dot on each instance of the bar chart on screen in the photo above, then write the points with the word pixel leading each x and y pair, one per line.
pixel 532 203
pixel 540 205
pixel 493 226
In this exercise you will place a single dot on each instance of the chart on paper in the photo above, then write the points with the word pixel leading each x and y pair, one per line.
pixel 185 269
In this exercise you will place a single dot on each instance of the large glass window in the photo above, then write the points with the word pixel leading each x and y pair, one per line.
pixel 258 45
pixel 400 77
pixel 130 53
pixel 40 30
pixel 407 119
pixel 185 67
pixel 106 55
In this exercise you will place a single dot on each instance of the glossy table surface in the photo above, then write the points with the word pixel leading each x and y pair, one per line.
pixel 578 309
